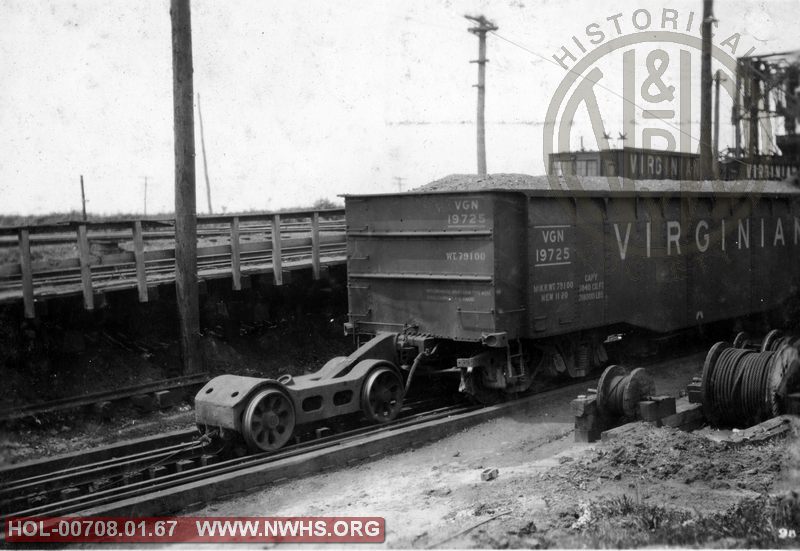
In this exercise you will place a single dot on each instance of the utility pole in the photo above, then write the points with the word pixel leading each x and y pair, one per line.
pixel 83 199
pixel 717 78
pixel 205 163
pixel 706 170
pixel 737 114
pixel 145 195
pixel 484 26
pixel 185 201
pixel 755 98
pixel 399 180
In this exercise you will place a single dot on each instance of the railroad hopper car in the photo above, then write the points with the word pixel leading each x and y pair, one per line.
pixel 503 285
pixel 628 162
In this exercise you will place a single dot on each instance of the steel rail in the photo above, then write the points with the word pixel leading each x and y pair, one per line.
pixel 49 465
pixel 112 495
pixel 20 412
pixel 106 474
pixel 178 491
pixel 75 474
pixel 40 485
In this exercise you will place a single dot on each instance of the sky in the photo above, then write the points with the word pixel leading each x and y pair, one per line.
pixel 302 100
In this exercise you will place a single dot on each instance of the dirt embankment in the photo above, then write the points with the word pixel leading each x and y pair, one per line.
pixel 70 352
pixel 650 487
pixel 667 487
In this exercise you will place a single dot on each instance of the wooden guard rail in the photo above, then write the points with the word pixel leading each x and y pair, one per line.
pixel 258 243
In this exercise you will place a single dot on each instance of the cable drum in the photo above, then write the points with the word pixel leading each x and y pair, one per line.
pixel 774 340
pixel 743 340
pixel 742 387
pixel 784 378
pixel 619 390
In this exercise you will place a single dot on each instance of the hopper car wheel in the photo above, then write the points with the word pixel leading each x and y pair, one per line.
pixel 268 421
pixel 382 395
pixel 482 394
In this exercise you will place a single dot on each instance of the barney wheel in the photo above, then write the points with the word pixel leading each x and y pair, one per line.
pixel 382 395
pixel 268 421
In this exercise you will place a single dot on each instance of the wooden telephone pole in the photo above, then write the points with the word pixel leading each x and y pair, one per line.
pixel 484 26
pixel 717 77
pixel 185 201
pixel 83 200
pixel 205 162
pixel 706 163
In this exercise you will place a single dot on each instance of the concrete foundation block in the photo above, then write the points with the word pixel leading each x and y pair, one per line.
pixel 184 465
pixel 686 415
pixel 587 422
pixel 168 398
pixel 322 432
pixel 584 405
pixel 585 436
pixel 665 404
pixel 694 391
pixel 208 459
pixel 648 411
pixel 155 472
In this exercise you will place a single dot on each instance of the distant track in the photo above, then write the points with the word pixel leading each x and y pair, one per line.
pixel 122 393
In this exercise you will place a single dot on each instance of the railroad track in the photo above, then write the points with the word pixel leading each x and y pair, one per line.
pixel 60 487
pixel 196 482
pixel 186 382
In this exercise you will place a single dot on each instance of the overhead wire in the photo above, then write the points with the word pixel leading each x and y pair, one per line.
pixel 597 83
pixel 570 70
